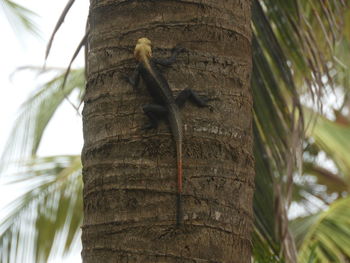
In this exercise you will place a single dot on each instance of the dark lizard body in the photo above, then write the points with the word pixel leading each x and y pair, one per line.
pixel 165 104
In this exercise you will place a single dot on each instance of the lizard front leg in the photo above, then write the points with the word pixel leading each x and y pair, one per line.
pixel 170 60
pixel 134 79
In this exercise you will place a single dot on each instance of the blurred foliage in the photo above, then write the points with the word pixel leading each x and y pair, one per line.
pixel 300 56
pixel 36 112
pixel 48 213
pixel 19 17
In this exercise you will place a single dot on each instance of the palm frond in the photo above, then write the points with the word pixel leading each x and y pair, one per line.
pixel 293 45
pixel 328 234
pixel 333 138
pixel 335 183
pixel 58 25
pixel 81 44
pixel 36 112
pixel 19 17
pixel 308 33
pixel 262 251
pixel 322 183
pixel 266 246
pixel 47 215
pixel 275 124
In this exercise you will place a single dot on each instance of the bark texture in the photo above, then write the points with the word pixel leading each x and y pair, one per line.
pixel 129 174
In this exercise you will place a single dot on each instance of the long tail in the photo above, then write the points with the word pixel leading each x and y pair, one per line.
pixel 176 128
pixel 179 210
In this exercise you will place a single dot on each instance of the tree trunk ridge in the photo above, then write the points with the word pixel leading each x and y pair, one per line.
pixel 130 174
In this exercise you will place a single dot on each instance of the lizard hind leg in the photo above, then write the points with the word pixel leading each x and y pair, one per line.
pixel 154 112
pixel 190 95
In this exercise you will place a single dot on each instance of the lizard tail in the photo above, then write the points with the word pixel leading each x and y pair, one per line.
pixel 176 128
pixel 179 212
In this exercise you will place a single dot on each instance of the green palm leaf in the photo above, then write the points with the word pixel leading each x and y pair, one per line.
pixel 37 111
pixel 333 138
pixel 19 17
pixel 293 41
pixel 325 236
pixel 49 212
pixel 328 235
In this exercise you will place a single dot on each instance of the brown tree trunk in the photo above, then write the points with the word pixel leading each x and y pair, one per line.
pixel 130 174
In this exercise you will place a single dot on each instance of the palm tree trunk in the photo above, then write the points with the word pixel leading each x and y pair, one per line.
pixel 130 174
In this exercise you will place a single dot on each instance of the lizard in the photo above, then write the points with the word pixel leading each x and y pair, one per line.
pixel 165 104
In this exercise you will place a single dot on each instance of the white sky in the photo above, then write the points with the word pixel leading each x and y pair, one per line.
pixel 28 50
pixel 64 134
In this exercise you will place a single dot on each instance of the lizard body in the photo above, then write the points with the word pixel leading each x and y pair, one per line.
pixel 166 104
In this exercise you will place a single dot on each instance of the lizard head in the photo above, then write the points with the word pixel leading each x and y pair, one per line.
pixel 143 49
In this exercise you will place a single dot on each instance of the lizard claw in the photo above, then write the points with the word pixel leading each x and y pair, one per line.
pixel 206 104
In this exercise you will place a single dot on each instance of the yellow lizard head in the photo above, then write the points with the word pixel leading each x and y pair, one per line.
pixel 143 49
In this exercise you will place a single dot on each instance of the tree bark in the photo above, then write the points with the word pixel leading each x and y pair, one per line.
pixel 130 174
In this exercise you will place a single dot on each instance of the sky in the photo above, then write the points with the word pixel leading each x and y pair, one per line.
pixel 22 50
pixel 64 133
